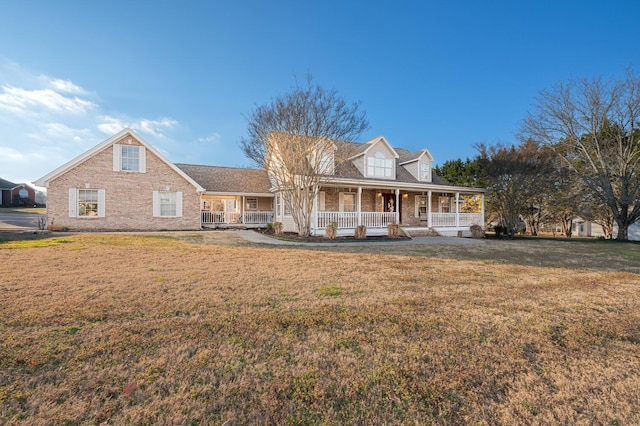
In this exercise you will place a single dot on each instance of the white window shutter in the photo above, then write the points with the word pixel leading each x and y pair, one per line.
pixel 178 204
pixel 156 204
pixel 117 155
pixel 341 202
pixel 73 202
pixel 321 201
pixel 142 161
pixel 101 201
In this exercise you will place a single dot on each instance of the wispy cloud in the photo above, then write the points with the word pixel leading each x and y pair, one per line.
pixel 47 121
pixel 66 86
pixel 110 125
pixel 20 101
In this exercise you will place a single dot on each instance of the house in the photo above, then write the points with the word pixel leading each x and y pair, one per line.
pixel 125 184
pixel 584 228
pixel 16 194
pixel 379 185
pixel 6 191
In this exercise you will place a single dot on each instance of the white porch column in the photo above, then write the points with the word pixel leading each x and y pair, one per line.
pixel 315 213
pixel 397 205
pixel 429 210
pixel 457 209
pixel 242 210
pixel 482 210
pixel 359 205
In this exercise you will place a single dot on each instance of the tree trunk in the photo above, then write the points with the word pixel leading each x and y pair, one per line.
pixel 623 231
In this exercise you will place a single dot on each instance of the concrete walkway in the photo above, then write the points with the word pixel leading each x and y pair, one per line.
pixel 258 238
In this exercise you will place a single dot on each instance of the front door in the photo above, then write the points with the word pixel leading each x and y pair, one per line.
pixel 231 210
pixel 389 205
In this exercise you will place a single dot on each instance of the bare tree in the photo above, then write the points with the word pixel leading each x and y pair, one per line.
pixel 294 137
pixel 593 126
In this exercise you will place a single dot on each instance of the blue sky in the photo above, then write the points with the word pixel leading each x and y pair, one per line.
pixel 439 75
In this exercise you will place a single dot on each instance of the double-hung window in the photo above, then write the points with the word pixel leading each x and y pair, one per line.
pixel 167 204
pixel 425 172
pixel 129 158
pixel 86 203
pixel 252 204
pixel 348 202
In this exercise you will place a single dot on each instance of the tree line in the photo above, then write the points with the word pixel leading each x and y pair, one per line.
pixel 578 155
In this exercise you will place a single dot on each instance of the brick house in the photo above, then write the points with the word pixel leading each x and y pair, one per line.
pixel 16 194
pixel 125 184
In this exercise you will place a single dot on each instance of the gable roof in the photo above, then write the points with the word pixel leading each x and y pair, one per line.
pixel 234 180
pixel 5 184
pixel 365 147
pixel 44 181
pixel 409 157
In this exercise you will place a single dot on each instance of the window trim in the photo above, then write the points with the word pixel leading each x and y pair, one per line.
pixel 251 200
pixel 74 203
pixel 157 205
pixel 117 159
pixel 379 166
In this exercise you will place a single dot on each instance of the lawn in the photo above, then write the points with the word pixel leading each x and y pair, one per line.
pixel 203 328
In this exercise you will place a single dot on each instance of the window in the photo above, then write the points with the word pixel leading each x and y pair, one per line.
pixel 326 164
pixel 86 203
pixel 286 199
pixel 129 158
pixel 167 204
pixel 444 204
pixel 252 204
pixel 322 196
pixel 378 166
pixel 278 205
pixel 421 206
pixel 348 203
pixel 425 172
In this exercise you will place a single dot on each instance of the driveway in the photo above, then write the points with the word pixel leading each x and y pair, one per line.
pixel 17 221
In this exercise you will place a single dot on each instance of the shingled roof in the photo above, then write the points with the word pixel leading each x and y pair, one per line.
pixel 228 179
pixel 5 184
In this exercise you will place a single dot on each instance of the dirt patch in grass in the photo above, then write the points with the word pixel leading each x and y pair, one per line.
pixel 177 329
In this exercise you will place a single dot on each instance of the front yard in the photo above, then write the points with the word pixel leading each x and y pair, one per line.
pixel 201 328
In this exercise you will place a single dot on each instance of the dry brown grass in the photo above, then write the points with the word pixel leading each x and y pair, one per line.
pixel 133 329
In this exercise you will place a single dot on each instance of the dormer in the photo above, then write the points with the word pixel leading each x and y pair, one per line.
pixel 323 158
pixel 419 165
pixel 376 159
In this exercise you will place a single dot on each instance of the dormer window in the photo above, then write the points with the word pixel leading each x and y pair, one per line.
pixel 425 172
pixel 379 166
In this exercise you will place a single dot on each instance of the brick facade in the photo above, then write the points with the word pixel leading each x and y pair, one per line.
pixel 128 195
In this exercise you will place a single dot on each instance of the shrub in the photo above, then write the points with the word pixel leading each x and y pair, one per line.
pixel 269 227
pixel 331 231
pixel 393 230
pixel 476 231
pixel 277 228
pixel 361 232
pixel 499 230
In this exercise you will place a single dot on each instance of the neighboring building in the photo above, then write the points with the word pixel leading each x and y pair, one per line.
pixel 6 190
pixel 16 194
pixel 125 184
pixel 585 228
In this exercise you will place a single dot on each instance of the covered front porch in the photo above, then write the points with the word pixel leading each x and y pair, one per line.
pixel 445 211
pixel 243 211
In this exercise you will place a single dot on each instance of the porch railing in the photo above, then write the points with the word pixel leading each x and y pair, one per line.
pixel 350 219
pixel 449 219
pixel 220 217
pixel 257 217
